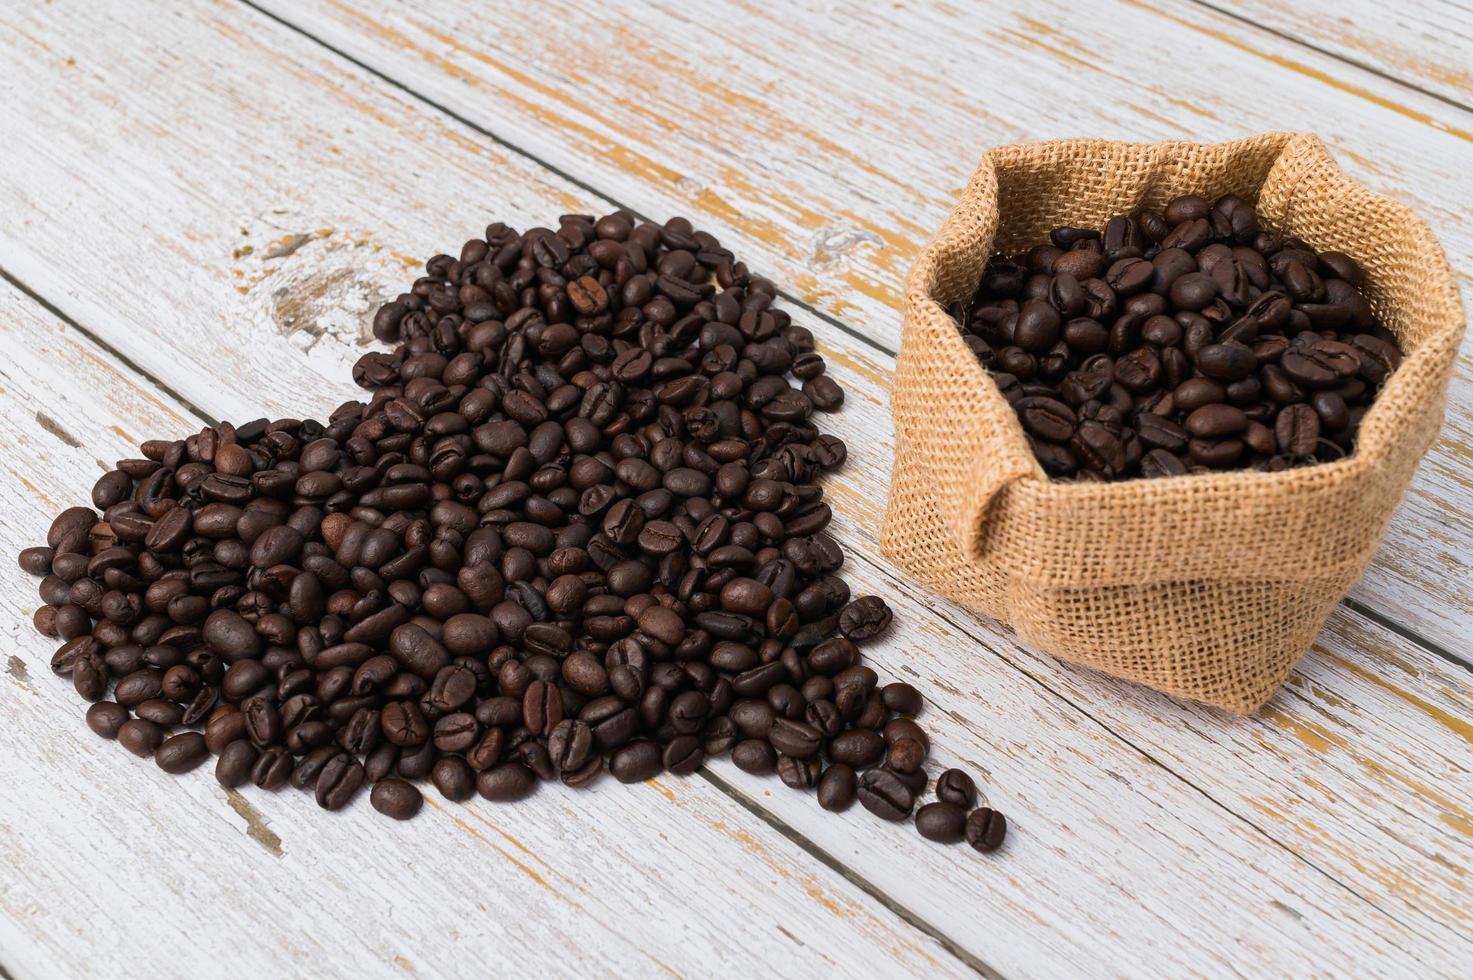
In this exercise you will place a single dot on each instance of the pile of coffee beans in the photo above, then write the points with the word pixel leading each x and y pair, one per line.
pixel 576 526
pixel 1180 342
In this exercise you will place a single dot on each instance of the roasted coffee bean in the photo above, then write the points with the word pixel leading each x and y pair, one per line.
pixel 542 707
pixel 837 788
pixel 235 763
pixel 570 743
pixel 1297 430
pixel 955 786
pixel 753 755
pixel 181 753
pixel 140 737
pixel 338 782
pixel 902 698
pixel 636 762
pixel 577 523
pixel 865 618
pixel 506 782
pixel 985 829
pixel 905 755
pixel 396 798
pixel 858 747
pixel 454 779
pixel 882 793
pixel 106 717
pixel 273 768
pixel 1179 346
pixel 310 766
pixel 942 821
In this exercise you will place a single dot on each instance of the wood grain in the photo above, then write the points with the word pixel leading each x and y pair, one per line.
pixel 832 158
pixel 111 864
pixel 1138 820
pixel 1427 44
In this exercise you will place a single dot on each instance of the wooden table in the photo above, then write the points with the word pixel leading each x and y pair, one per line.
pixel 203 202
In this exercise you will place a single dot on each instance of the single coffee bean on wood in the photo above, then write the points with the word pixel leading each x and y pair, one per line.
pixel 985 829
pixel 941 821
pixel 955 786
pixel 1214 344
pixel 576 522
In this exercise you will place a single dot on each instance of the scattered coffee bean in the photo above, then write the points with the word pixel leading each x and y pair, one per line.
pixel 1209 344
pixel 955 786
pixel 986 829
pixel 941 821
pixel 576 522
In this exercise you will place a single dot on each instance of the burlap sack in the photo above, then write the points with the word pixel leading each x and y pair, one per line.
pixel 1208 587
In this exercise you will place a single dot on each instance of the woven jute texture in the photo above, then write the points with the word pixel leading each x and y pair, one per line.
pixel 1207 587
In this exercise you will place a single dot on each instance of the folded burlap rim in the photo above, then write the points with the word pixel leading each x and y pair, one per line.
pixel 1073 565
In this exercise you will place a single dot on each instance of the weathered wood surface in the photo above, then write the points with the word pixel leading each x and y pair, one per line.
pixel 113 868
pixel 1330 833
pixel 833 155
pixel 1427 44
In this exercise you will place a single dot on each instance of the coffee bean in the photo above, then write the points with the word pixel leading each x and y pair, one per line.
pixel 941 821
pixel 506 782
pixel 340 780
pixel 36 561
pixel 885 795
pixel 955 786
pixel 905 756
pixel 858 747
pixel 902 698
pixel 1297 430
pixel 865 618
pixel 396 798
pixel 1216 421
pixel 140 737
pixel 837 788
pixel 273 768
pixel 233 767
pixel 181 753
pixel 636 762
pixel 454 779
pixel 106 717
pixel 985 829
pixel 755 756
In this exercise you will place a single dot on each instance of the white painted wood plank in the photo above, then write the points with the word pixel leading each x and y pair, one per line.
pixel 832 155
pixel 1428 44
pixel 110 865
pixel 1045 909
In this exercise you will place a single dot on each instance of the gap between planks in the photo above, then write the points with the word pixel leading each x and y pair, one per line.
pixel 1231 14
pixel 1403 631
pixel 804 843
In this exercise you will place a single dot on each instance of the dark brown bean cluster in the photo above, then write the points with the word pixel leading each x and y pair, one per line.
pixel 1180 342
pixel 576 526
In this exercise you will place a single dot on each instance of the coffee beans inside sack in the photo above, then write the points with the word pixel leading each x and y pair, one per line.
pixel 1178 341
pixel 1243 313
pixel 576 526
